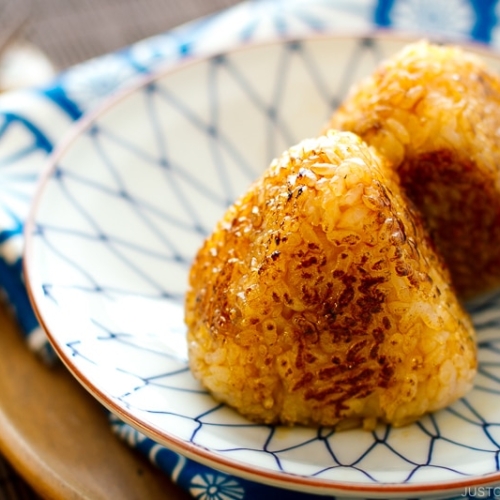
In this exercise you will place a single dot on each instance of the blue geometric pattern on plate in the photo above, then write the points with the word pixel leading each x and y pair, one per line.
pixel 115 228
pixel 81 88
pixel 84 86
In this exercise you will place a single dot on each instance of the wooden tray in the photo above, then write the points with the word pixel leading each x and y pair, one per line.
pixel 57 436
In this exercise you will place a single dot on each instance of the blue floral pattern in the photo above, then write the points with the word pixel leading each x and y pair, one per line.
pixel 454 19
pixel 216 486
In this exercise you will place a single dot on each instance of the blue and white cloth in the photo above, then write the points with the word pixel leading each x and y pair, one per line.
pixel 33 121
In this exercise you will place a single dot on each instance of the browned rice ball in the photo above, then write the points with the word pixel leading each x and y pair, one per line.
pixel 319 299
pixel 434 112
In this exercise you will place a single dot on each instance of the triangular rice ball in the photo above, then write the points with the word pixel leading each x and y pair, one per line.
pixel 319 298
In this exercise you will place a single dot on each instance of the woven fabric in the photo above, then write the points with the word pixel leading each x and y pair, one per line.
pixel 72 31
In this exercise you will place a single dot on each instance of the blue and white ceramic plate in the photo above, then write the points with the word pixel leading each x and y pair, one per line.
pixel 127 201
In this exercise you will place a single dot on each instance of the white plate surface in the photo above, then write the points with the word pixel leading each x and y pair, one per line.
pixel 123 208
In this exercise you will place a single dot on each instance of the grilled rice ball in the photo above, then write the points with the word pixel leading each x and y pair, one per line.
pixel 319 299
pixel 434 112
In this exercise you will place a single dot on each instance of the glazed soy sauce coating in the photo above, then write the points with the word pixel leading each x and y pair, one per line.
pixel 434 113
pixel 319 298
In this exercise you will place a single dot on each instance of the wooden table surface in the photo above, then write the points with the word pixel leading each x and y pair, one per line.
pixel 52 432
pixel 57 436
